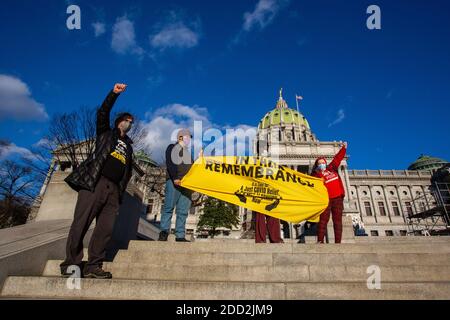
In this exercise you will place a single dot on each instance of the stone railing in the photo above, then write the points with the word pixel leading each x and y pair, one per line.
pixel 389 173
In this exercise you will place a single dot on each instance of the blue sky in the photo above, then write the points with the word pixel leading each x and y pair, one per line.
pixel 386 92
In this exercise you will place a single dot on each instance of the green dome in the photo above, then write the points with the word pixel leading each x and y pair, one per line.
pixel 141 156
pixel 282 115
pixel 427 163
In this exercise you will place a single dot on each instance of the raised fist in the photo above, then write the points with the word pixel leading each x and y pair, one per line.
pixel 119 87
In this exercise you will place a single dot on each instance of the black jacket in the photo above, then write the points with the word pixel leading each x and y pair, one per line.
pixel 177 170
pixel 88 173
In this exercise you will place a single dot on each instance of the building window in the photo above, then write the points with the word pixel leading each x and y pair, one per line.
pixel 409 208
pixel 382 208
pixel 395 208
pixel 405 193
pixel 379 193
pixel 422 207
pixel 365 193
pixel 368 208
pixel 389 233
pixel 403 233
pixel 374 233
pixel 392 193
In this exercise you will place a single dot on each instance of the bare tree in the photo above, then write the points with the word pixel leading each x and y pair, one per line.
pixel 17 191
pixel 72 135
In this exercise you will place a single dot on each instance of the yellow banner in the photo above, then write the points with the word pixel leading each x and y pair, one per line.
pixel 259 184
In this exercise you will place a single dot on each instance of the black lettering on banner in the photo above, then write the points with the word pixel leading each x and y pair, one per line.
pixel 259 173
pixel 227 168
pixel 280 175
pixel 263 162
pixel 269 174
pixel 290 176
pixel 247 171
pixel 208 165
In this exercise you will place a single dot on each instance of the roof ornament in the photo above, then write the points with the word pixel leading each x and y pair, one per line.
pixel 281 104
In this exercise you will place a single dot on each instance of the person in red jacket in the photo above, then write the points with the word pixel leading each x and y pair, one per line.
pixel 336 192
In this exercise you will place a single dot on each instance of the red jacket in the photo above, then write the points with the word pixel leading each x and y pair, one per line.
pixel 333 181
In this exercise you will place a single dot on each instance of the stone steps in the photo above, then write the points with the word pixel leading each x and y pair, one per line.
pixel 55 287
pixel 233 270
pixel 245 247
pixel 269 259
pixel 256 259
pixel 266 273
pixel 397 239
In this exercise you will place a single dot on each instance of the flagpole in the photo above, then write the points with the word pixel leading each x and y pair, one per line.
pixel 296 101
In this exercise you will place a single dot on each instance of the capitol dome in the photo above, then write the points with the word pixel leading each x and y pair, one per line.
pixel 283 115
pixel 427 163
pixel 281 126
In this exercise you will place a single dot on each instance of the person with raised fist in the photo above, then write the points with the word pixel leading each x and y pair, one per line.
pixel 100 181
pixel 336 193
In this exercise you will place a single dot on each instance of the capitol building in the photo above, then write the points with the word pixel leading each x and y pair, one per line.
pixel 380 202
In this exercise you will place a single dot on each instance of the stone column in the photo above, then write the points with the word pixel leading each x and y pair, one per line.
pixel 401 204
pixel 373 204
pixel 359 204
pixel 347 182
pixel 412 198
pixel 387 203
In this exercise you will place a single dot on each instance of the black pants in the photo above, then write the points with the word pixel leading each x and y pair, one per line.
pixel 102 204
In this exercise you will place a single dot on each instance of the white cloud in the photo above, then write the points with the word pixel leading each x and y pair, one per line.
pixel 175 33
pixel 124 37
pixel 163 124
pixel 340 116
pixel 99 28
pixel 44 142
pixel 174 36
pixel 177 110
pixel 9 149
pixel 263 14
pixel 16 101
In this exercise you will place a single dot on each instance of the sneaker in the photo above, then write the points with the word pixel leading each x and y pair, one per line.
pixel 163 235
pixel 181 240
pixel 98 273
